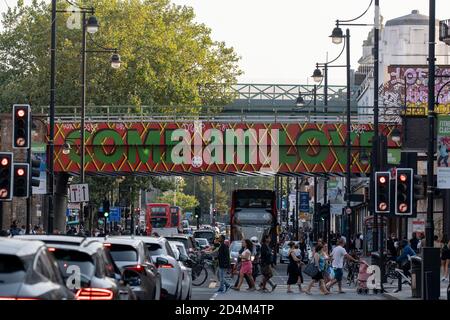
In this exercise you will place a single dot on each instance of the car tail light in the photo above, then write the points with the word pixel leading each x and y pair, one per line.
pixel 94 294
pixel 51 249
pixel 107 245
pixel 136 268
pixel 165 266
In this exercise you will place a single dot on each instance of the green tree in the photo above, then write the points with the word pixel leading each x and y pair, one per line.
pixel 186 202
pixel 169 62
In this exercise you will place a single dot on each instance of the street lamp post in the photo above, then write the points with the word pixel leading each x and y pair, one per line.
pixel 337 37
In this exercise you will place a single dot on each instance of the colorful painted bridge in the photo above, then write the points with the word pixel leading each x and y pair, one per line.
pixel 276 137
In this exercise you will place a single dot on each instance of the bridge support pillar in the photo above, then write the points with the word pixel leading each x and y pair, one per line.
pixel 60 202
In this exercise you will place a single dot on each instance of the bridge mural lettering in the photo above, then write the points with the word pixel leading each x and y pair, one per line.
pixel 206 147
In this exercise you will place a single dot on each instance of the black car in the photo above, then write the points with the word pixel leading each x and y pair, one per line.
pixel 132 258
pixel 99 278
pixel 29 272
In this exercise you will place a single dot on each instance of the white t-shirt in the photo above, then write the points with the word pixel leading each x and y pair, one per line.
pixel 338 254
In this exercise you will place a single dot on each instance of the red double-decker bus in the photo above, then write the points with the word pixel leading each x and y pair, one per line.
pixel 157 216
pixel 175 216
pixel 253 213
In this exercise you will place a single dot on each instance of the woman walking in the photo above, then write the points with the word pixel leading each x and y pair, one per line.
pixel 293 268
pixel 246 266
pixel 326 255
pixel 319 262
pixel 445 257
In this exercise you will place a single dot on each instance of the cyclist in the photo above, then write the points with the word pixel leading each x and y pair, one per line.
pixel 403 259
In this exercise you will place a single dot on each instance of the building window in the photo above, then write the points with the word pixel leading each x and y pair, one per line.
pixel 417 36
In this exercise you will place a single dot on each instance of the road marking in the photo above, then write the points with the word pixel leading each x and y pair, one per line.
pixel 213 297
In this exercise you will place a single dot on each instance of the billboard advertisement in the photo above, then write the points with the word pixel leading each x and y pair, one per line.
pixel 443 149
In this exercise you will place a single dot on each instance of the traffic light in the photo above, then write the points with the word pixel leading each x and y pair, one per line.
pixel 325 212
pixel 404 192
pixel 198 212
pixel 21 126
pixel 382 192
pixel 21 180
pixel 6 176
pixel 35 172
pixel 214 212
pixel 419 190
pixel 106 208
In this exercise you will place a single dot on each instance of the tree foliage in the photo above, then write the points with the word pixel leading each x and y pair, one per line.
pixel 186 202
pixel 168 61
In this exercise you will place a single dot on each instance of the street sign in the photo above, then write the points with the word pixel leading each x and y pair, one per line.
pixel 79 192
pixel 114 214
pixel 304 202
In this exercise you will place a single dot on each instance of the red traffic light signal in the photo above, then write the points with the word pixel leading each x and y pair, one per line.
pixel 404 191
pixel 21 126
pixel 6 176
pixel 382 192
pixel 21 180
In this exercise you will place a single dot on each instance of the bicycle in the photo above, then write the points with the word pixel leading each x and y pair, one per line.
pixel 199 269
pixel 352 275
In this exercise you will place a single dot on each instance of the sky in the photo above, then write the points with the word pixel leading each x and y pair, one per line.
pixel 279 41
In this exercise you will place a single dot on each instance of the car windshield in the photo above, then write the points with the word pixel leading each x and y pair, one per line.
pixel 12 269
pixel 159 222
pixel 181 249
pixel 236 246
pixel 202 241
pixel 209 235
pixel 67 259
pixel 184 241
pixel 155 249
pixel 121 252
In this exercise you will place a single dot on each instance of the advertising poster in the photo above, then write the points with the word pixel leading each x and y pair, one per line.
pixel 336 193
pixel 38 151
pixel 443 148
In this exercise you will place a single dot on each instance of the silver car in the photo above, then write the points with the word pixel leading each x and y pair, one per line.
pixel 28 271
pixel 182 256
pixel 163 257
pixel 234 251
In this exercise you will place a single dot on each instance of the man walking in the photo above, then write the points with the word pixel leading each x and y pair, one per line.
pixel 339 254
pixel 224 264
pixel 266 265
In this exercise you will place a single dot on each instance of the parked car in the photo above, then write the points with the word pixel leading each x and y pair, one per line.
pixel 188 242
pixel 203 243
pixel 180 251
pixel 100 278
pixel 132 258
pixel 207 234
pixel 29 272
pixel 162 255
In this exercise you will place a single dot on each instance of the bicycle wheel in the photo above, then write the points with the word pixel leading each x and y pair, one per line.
pixel 199 275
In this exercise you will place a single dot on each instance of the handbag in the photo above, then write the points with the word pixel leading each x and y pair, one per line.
pixel 331 272
pixel 311 269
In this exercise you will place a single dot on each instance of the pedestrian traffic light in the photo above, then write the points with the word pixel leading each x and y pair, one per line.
pixel 404 192
pixel 6 176
pixel 419 190
pixel 21 126
pixel 382 192
pixel 21 184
